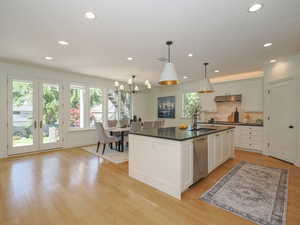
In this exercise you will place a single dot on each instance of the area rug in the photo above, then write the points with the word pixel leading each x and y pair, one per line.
pixel 254 192
pixel 109 154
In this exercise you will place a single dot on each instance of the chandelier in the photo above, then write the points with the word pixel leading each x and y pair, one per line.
pixel 131 86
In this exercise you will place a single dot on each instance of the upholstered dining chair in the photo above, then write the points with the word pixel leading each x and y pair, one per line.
pixel 156 124
pixel 162 123
pixel 123 123
pixel 104 138
pixel 112 123
pixel 147 124
pixel 136 125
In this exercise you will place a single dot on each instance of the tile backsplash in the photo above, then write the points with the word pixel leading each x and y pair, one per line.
pixel 224 109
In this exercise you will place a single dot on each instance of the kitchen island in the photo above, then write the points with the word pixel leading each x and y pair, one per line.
pixel 166 158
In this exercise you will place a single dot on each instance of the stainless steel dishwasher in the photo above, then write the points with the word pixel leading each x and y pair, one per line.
pixel 200 158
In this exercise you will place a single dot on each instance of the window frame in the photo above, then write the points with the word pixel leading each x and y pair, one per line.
pixel 184 103
pixel 117 111
pixel 89 105
pixel 84 107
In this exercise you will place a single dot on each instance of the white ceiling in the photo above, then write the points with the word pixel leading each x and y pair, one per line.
pixel 221 32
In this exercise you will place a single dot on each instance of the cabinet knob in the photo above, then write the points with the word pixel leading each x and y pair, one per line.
pixel 291 127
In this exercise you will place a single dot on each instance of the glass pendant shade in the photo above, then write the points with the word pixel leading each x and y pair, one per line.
pixel 169 75
pixel 205 86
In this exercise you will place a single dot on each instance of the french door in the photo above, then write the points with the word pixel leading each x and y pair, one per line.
pixel 34 115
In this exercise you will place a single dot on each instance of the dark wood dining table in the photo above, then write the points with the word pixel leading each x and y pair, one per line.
pixel 121 130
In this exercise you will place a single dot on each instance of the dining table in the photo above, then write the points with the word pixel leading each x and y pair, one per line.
pixel 121 130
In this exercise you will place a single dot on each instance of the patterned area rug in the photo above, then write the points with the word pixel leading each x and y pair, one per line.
pixel 109 154
pixel 254 192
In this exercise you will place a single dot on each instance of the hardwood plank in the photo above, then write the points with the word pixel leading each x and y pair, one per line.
pixel 70 187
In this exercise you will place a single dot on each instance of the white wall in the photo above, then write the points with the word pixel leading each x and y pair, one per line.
pixel 142 104
pixel 71 138
pixel 284 68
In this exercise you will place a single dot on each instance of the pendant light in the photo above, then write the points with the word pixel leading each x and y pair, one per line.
pixel 205 85
pixel 169 75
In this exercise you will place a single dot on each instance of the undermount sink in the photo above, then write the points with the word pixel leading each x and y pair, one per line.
pixel 202 129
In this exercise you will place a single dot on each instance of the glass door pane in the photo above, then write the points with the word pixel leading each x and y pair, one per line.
pixel 49 125
pixel 112 112
pixel 23 123
pixel 96 106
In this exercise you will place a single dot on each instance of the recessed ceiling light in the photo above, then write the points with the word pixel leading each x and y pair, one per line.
pixel 267 44
pixel 255 7
pixel 90 15
pixel 63 43
pixel 130 58
pixel 217 71
pixel 273 61
pixel 190 55
pixel 185 77
pixel 49 58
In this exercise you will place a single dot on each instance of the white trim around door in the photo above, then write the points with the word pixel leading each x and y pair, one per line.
pixel 33 124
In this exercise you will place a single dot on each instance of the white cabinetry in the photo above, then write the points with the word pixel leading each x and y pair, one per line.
pixel 208 103
pixel 164 164
pixel 252 96
pixel 252 92
pixel 249 137
pixel 220 148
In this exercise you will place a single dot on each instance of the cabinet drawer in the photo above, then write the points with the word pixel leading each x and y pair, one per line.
pixel 258 147
pixel 254 129
pixel 251 138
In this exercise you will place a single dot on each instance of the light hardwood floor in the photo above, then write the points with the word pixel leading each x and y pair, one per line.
pixel 72 187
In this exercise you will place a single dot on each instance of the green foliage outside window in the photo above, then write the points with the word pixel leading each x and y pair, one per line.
pixel 192 105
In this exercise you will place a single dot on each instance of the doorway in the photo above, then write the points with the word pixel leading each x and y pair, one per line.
pixel 34 115
pixel 282 120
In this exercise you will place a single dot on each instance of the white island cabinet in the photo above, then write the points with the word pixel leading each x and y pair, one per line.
pixel 220 148
pixel 167 164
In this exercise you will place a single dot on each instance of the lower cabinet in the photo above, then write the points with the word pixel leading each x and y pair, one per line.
pixel 250 138
pixel 220 148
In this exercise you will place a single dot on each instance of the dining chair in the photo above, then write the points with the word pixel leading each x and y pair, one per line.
pixel 147 124
pixel 136 125
pixel 104 138
pixel 112 123
pixel 162 123
pixel 156 124
pixel 123 123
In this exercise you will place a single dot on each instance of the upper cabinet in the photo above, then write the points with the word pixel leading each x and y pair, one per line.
pixel 208 103
pixel 251 91
pixel 253 100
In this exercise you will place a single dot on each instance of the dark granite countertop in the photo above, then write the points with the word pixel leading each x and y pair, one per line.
pixel 232 123
pixel 176 134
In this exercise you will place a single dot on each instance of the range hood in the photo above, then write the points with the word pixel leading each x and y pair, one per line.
pixel 229 98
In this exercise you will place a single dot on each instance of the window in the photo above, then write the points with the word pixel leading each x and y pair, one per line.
pixel 96 106
pixel 77 95
pixel 125 106
pixel 112 111
pixel 189 99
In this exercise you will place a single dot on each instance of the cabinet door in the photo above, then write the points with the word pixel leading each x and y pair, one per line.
pixel 187 157
pixel 211 152
pixel 208 103
pixel 226 143
pixel 218 150
pixel 253 96
pixel 232 146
